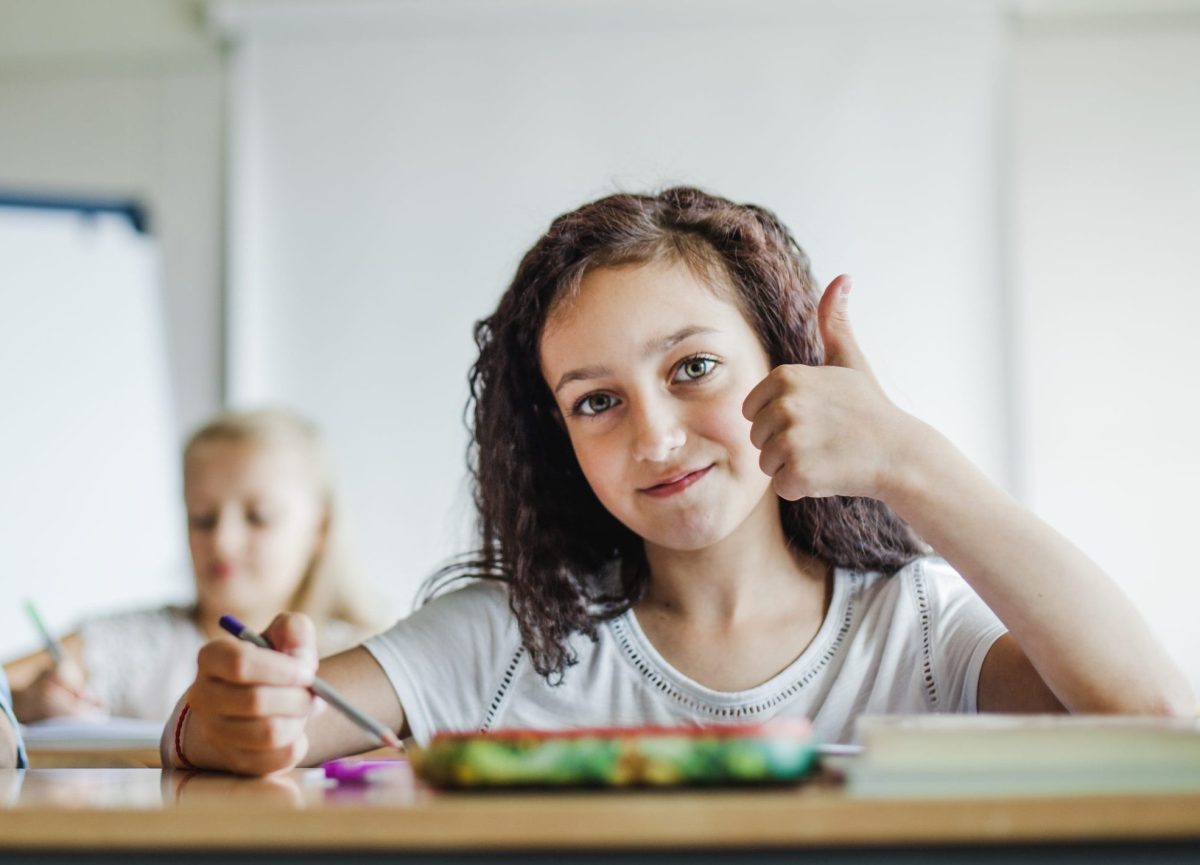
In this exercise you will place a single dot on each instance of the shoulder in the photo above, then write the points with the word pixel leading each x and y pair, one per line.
pixel 486 598
pixel 474 613
pixel 337 635
pixel 926 583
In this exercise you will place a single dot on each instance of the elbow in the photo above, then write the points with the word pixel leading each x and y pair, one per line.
pixel 1165 700
pixel 1178 701
pixel 1181 704
pixel 1177 698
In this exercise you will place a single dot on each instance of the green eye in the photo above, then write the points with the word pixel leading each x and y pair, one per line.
pixel 694 368
pixel 594 404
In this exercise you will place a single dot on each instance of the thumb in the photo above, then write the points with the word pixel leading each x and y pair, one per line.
pixel 294 634
pixel 833 318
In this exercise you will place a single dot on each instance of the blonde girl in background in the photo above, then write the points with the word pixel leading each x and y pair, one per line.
pixel 265 535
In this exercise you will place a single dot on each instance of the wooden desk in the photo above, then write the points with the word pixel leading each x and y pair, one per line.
pixel 42 757
pixel 100 812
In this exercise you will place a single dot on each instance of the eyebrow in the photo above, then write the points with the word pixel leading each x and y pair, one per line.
pixel 654 346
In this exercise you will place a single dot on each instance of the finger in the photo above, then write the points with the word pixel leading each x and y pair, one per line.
pixel 778 415
pixel 58 701
pixel 833 318
pixel 773 459
pixel 257 762
pixel 294 634
pixel 243 663
pixel 227 700
pixel 774 385
pixel 69 674
pixel 257 734
pixel 76 695
pixel 789 484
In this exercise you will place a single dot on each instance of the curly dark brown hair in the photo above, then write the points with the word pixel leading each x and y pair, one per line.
pixel 542 530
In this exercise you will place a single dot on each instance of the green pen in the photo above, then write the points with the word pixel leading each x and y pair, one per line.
pixel 53 646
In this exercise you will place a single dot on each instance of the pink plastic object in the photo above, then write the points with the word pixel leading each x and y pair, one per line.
pixel 349 770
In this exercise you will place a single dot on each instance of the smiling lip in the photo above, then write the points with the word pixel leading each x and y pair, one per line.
pixel 677 484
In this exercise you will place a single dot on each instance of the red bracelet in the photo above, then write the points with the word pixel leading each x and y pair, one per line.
pixel 184 762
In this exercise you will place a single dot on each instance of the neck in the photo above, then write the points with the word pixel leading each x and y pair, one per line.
pixel 750 573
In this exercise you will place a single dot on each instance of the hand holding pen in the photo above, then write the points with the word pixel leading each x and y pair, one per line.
pixel 248 709
pixel 60 689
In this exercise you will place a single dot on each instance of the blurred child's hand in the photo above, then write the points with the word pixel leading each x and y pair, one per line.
pixel 59 690
pixel 249 706
pixel 827 430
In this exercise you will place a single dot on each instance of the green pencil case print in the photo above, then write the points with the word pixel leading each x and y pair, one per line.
pixel 776 752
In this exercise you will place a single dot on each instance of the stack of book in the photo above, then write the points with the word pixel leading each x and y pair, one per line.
pixel 939 756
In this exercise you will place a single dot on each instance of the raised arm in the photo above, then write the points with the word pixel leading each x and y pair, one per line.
pixel 250 711
pixel 1070 625
pixel 1074 638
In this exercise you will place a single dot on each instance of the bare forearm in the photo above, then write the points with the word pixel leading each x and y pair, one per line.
pixel 1086 640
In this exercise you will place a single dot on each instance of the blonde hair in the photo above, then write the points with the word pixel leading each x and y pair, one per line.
pixel 332 589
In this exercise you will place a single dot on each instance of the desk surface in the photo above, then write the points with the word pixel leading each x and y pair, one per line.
pixel 146 809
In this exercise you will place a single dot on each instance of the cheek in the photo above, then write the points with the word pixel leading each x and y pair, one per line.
pixel 282 549
pixel 722 422
pixel 596 460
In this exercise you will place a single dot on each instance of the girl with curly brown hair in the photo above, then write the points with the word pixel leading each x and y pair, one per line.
pixel 694 505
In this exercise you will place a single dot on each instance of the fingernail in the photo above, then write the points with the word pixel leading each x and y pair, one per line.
pixel 844 288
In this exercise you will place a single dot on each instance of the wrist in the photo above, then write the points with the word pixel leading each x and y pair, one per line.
pixel 180 750
pixel 906 470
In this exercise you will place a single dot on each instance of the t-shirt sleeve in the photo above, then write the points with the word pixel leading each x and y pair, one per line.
pixel 6 710
pixel 447 658
pixel 964 629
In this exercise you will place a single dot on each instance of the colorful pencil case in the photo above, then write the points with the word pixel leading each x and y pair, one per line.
pixel 776 752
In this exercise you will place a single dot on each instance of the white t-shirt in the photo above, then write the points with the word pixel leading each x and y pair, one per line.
pixel 908 643
pixel 141 662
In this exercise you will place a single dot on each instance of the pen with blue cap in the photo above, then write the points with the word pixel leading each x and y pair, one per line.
pixel 322 689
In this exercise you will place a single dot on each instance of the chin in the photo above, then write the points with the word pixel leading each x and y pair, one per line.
pixel 687 537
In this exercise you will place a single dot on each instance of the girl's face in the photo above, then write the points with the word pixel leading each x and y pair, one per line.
pixel 255 521
pixel 649 368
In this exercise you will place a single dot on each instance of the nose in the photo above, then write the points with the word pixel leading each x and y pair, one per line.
pixel 658 430
pixel 228 534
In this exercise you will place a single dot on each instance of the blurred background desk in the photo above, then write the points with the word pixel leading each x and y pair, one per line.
pixel 51 757
pixel 63 743
pixel 73 814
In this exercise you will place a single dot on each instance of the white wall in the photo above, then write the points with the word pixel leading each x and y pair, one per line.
pixel 121 99
pixel 126 99
pixel 1106 217
pixel 89 505
pixel 391 162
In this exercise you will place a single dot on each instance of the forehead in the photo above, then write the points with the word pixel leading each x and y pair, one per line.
pixel 236 466
pixel 618 310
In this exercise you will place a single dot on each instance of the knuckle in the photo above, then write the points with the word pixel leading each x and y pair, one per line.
pixel 238 667
pixel 274 733
pixel 791 411
pixel 210 655
pixel 253 701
